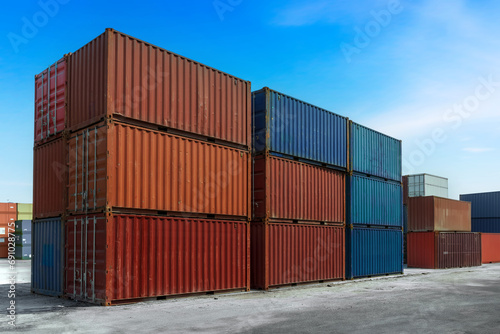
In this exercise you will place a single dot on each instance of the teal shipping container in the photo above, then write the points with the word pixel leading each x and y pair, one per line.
pixel 372 201
pixel 375 154
pixel 373 252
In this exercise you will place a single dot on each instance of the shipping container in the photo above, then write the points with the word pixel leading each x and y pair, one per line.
pixel 405 189
pixel 50 100
pixel 373 252
pixel 427 185
pixel 47 261
pixel 486 225
pixel 23 239
pixel 441 250
pixel 121 76
pixel 287 126
pixel 23 226
pixel 374 154
pixel 484 205
pixel 24 211
pixel 114 259
pixel 438 214
pixel 372 201
pixel 23 252
pixel 50 177
pixel 8 213
pixel 405 234
pixel 4 250
pixel 290 190
pixel 490 247
pixel 285 254
pixel 119 167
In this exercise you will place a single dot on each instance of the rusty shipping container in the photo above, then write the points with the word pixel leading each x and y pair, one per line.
pixel 490 247
pixel 50 179
pixel 119 167
pixel 283 254
pixel 50 100
pixel 118 75
pixel 441 250
pixel 290 190
pixel 112 259
pixel 438 214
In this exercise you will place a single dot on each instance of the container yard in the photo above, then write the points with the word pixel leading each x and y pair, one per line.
pixel 170 176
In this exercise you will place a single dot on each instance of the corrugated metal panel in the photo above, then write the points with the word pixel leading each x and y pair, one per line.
pixel 490 247
pixel 485 225
pixel 47 264
pixel 441 250
pixel 286 189
pixel 295 253
pixel 144 169
pixel 438 214
pixel 108 264
pixel 405 190
pixel 50 177
pixel 285 125
pixel 374 202
pixel 373 252
pixel 116 74
pixel 24 211
pixel 484 205
pixel 374 153
pixel 427 185
pixel 50 100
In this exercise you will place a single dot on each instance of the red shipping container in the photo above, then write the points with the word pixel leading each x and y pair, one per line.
pixel 490 247
pixel 50 100
pixel 289 190
pixel 118 75
pixel 119 167
pixel 438 214
pixel 112 259
pixel 50 179
pixel 441 250
pixel 284 254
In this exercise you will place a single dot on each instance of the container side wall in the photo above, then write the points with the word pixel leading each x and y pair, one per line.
pixel 486 225
pixel 490 247
pixel 484 205
pixel 456 250
pixel 421 250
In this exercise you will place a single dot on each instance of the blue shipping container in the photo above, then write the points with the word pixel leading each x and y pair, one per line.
pixel 484 205
pixel 23 226
pixel 23 252
pixel 47 263
pixel 373 201
pixel 485 225
pixel 375 154
pixel 373 252
pixel 290 127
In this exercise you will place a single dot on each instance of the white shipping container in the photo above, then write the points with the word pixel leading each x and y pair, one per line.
pixel 427 185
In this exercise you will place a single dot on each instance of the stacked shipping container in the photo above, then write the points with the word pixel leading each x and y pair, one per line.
pixel 374 237
pixel 299 163
pixel 8 216
pixel 486 219
pixel 147 136
pixel 23 239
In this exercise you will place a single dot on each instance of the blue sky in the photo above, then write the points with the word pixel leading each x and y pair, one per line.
pixel 421 71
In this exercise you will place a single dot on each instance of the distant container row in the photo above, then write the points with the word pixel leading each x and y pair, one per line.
pixel 9 214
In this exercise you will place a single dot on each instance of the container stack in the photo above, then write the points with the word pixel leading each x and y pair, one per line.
pixel 486 220
pixel 158 198
pixel 374 237
pixel 8 216
pixel 23 239
pixel 299 170
pixel 440 235
pixel 420 185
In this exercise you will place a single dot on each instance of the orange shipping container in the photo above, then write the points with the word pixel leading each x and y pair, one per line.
pixel 50 178
pixel 289 190
pixel 118 75
pixel 438 214
pixel 490 247
pixel 118 167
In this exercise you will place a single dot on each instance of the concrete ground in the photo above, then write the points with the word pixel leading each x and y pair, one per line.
pixel 421 301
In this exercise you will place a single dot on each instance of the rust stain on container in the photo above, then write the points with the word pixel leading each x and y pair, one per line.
pixel 289 190
pixel 284 254
pixel 438 214
pixel 112 259
pixel 118 75
pixel 441 250
pixel 490 247
pixel 50 178
pixel 114 166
